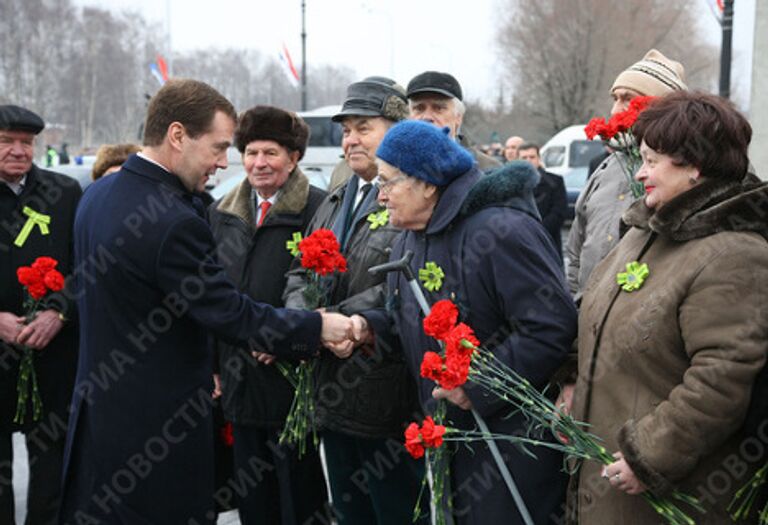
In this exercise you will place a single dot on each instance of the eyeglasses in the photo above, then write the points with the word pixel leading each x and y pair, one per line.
pixel 386 187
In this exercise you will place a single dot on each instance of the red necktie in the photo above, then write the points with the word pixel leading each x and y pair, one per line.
pixel 264 206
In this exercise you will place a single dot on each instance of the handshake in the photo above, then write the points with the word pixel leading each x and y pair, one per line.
pixel 341 334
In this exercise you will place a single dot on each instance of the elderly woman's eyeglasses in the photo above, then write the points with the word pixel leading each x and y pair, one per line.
pixel 386 186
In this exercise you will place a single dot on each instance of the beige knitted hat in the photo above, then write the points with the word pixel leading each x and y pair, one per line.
pixel 655 75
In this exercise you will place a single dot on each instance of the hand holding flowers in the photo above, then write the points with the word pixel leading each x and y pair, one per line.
pixel 488 372
pixel 320 257
pixel 38 280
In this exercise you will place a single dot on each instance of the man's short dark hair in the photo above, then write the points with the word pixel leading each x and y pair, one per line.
pixel 191 103
pixel 697 129
pixel 529 145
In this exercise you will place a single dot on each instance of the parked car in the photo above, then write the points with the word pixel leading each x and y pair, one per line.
pixel 568 154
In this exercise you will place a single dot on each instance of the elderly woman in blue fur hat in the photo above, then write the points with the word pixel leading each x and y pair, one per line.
pixel 502 270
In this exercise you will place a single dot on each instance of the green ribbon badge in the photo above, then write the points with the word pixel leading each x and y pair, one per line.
pixel 34 218
pixel 380 218
pixel 293 244
pixel 432 276
pixel 634 277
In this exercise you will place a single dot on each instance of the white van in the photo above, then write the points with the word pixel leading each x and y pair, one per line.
pixel 324 149
pixel 568 154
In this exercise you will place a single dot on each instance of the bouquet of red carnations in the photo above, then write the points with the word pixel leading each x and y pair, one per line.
pixel 617 134
pixel 464 360
pixel 320 256
pixel 38 279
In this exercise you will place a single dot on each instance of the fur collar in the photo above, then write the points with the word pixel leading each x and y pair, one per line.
pixel 292 198
pixel 710 207
pixel 510 185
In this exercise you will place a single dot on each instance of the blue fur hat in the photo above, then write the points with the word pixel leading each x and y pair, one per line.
pixel 424 151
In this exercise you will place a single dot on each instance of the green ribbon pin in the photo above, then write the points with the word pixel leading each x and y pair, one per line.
pixel 634 277
pixel 34 218
pixel 293 244
pixel 432 276
pixel 378 219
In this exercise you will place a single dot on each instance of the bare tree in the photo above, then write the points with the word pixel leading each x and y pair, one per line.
pixel 86 70
pixel 561 56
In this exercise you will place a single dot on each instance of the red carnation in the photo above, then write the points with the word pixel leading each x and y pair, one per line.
pixel 227 437
pixel 623 121
pixel 54 280
pixel 432 366
pixel 432 434
pixel 455 374
pixel 413 441
pixel 28 275
pixel 609 130
pixel 594 127
pixel 37 290
pixel 441 319
pixel 461 339
pixel 638 104
pixel 320 253
pixel 45 264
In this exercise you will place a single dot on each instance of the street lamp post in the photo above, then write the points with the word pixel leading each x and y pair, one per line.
pixel 303 56
pixel 725 50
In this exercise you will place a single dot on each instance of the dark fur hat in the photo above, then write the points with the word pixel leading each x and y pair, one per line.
pixel 271 123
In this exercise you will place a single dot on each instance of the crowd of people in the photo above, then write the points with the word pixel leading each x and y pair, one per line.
pixel 651 328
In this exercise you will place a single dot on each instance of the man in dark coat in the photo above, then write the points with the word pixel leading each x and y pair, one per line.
pixel 26 190
pixel 502 272
pixel 251 226
pixel 149 290
pixel 550 195
pixel 364 403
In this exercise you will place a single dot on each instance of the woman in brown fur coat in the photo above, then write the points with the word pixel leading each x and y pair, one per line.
pixel 668 360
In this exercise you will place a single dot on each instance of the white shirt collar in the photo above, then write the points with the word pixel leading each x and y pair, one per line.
pixel 140 154
pixel 18 186
pixel 360 183
pixel 271 200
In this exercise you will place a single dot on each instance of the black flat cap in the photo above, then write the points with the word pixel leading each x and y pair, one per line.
pixel 374 97
pixel 16 118
pixel 434 82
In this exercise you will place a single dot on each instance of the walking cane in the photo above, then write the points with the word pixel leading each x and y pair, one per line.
pixel 403 265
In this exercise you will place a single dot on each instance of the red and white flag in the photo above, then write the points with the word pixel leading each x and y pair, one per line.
pixel 288 68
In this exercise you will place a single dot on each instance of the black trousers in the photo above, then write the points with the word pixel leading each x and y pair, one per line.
pixel 45 458
pixel 373 481
pixel 283 489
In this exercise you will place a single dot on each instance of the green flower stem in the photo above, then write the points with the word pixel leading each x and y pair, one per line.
pixel 439 463
pixel 626 144
pixel 496 377
pixel 300 421
pixel 745 497
pixel 27 379
pixel 301 416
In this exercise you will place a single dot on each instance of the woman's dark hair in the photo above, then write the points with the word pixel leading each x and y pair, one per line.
pixel 697 129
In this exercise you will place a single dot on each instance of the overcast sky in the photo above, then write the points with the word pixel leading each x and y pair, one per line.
pixel 397 38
